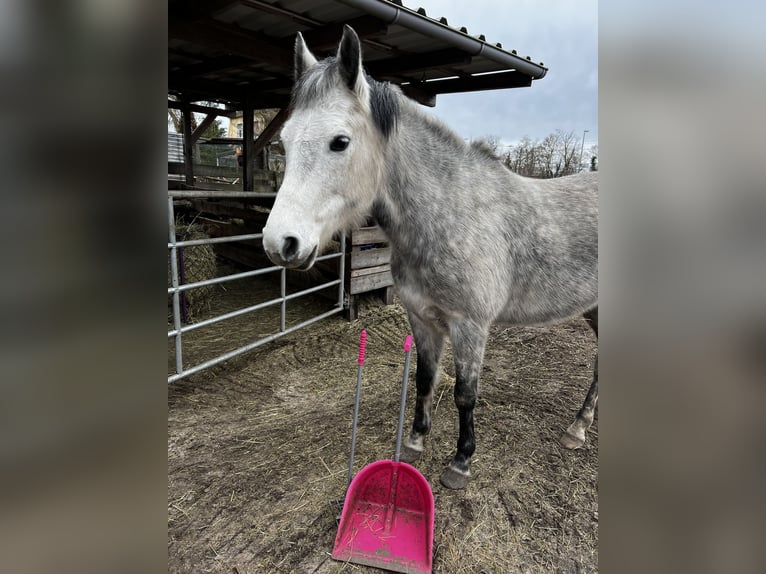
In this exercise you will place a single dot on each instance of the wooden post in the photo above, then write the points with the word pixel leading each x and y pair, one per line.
pixel 188 145
pixel 388 296
pixel 270 130
pixel 247 144
pixel 353 304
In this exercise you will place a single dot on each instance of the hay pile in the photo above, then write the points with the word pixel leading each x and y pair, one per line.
pixel 199 264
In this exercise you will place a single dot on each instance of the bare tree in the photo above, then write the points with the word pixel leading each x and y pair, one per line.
pixel 549 149
pixel 523 158
pixel 555 156
pixel 569 157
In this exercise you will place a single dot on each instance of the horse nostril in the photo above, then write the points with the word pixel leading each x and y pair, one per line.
pixel 290 248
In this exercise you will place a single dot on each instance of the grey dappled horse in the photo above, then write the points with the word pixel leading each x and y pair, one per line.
pixel 471 242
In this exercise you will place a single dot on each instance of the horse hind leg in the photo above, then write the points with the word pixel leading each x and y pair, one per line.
pixel 429 343
pixel 574 437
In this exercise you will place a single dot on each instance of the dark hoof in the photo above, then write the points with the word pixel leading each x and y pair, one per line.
pixel 409 455
pixel 454 479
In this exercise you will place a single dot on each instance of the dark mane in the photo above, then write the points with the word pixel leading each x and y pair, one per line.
pixel 384 102
pixel 319 80
pixel 485 149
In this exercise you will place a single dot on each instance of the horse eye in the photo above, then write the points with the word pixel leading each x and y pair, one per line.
pixel 339 143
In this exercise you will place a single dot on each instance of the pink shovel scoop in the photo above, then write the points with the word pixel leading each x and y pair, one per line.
pixel 388 515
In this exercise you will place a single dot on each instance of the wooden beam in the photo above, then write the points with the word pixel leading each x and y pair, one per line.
pixel 187 146
pixel 278 10
pixel 247 144
pixel 318 35
pixel 260 184
pixel 202 109
pixel 393 67
pixel 274 89
pixel 269 131
pixel 184 54
pixel 201 89
pixel 191 10
pixel 212 65
pixel 232 39
pixel 209 119
pixel 276 84
pixel 328 36
pixel 263 179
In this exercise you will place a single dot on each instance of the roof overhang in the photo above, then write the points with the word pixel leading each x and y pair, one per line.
pixel 232 50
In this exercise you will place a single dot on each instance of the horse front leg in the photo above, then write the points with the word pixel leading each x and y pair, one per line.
pixel 468 342
pixel 574 437
pixel 429 342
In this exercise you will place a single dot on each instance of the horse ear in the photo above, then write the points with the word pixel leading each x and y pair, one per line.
pixel 304 59
pixel 350 60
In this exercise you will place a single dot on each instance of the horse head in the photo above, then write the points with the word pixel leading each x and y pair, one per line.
pixel 333 155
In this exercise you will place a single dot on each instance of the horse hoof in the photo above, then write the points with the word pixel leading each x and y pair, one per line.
pixel 570 441
pixel 454 479
pixel 409 455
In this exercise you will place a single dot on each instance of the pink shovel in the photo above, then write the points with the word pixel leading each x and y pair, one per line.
pixel 388 515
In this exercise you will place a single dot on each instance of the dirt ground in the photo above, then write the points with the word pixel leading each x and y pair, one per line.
pixel 258 451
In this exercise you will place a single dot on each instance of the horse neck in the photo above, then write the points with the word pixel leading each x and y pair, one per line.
pixel 415 178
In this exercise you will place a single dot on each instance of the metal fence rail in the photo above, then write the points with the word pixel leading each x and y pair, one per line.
pixel 176 288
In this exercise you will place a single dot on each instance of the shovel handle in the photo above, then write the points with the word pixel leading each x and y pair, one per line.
pixel 400 427
pixel 360 363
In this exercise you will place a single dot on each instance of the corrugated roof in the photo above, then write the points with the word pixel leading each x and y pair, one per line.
pixel 224 49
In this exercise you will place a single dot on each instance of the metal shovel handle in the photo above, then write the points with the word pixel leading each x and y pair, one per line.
pixel 360 363
pixel 400 428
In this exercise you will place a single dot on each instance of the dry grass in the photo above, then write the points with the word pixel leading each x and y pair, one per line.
pixel 199 264
pixel 258 450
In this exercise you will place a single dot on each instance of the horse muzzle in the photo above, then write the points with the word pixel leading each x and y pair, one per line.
pixel 288 251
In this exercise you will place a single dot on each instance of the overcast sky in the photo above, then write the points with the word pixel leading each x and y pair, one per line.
pixel 563 34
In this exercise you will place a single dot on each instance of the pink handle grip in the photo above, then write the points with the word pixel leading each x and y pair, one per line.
pixel 408 343
pixel 362 347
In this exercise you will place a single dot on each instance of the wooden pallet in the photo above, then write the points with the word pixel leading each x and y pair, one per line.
pixel 368 267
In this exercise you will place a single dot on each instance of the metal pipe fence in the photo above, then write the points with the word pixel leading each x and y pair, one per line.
pixel 177 288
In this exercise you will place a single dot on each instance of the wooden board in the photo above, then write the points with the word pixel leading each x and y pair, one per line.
pixel 203 183
pixel 370 257
pixel 370 271
pixel 260 176
pixel 368 235
pixel 370 282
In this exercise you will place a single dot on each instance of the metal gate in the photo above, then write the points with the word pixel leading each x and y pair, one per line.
pixel 177 287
